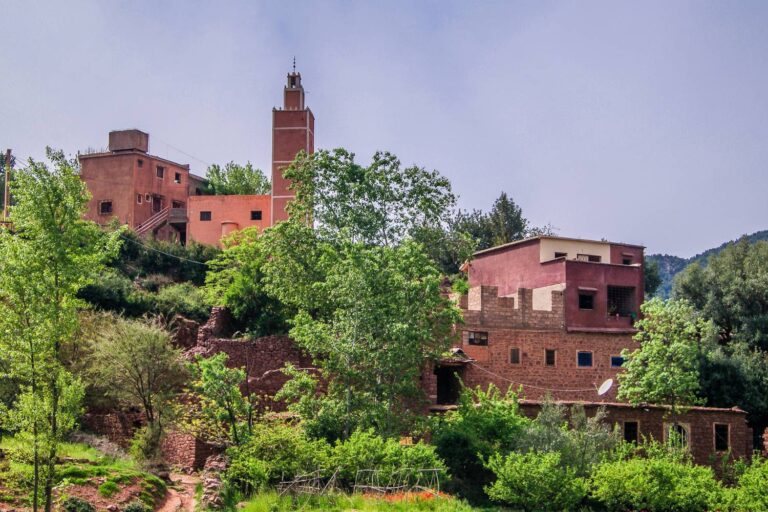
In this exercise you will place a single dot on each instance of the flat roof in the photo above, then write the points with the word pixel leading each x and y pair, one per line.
pixel 132 152
pixel 550 237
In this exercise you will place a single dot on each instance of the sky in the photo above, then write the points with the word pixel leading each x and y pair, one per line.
pixel 641 122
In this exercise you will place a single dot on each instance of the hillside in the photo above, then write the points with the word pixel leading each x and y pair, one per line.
pixel 670 265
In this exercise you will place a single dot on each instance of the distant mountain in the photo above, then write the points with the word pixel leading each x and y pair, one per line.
pixel 669 265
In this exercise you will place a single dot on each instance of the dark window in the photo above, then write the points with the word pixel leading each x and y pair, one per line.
pixel 255 214
pixel 105 207
pixel 549 357
pixel 205 215
pixel 293 81
pixel 157 203
pixel 160 172
pixel 561 254
pixel 594 259
pixel 586 301
pixel 177 177
pixel 584 358
pixel 631 432
pixel 588 257
pixel 147 197
pixel 616 361
pixel 514 356
pixel 678 435
pixel 177 204
pixel 721 437
pixel 478 338
pixel 140 162
pixel 139 198
pixel 626 261
pixel 621 300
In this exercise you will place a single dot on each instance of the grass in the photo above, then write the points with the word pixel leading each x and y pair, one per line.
pixel 273 502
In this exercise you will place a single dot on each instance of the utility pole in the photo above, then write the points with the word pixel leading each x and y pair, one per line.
pixel 7 194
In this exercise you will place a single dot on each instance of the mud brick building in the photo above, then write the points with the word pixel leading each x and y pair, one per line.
pixel 161 198
pixel 550 316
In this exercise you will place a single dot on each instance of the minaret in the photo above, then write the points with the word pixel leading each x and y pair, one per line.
pixel 293 130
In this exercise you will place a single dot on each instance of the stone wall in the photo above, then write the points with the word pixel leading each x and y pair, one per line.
pixel 117 426
pixel 185 451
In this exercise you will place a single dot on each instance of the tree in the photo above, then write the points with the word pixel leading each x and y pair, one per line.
pixel 651 276
pixel 506 221
pixel 379 204
pixel 665 369
pixel 369 315
pixel 140 367
pixel 732 291
pixel 236 179
pixel 2 177
pixel 50 255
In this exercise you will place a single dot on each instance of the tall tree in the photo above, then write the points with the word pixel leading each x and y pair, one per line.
pixel 651 276
pixel 236 179
pixel 506 221
pixel 665 368
pixel 50 255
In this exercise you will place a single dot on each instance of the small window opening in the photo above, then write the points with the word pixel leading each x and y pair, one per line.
pixel 631 432
pixel 139 198
pixel 626 261
pixel 160 172
pixel 478 338
pixel 616 361
pixel 147 197
pixel 177 204
pixel 140 162
pixel 177 177
pixel 677 435
pixel 549 357
pixel 204 216
pixel 584 359
pixel 588 257
pixel 514 356
pixel 255 214
pixel 293 81
pixel 721 437
pixel 561 255
pixel 105 207
pixel 586 301
pixel 621 300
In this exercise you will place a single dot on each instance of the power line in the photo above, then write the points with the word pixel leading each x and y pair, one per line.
pixel 181 151
pixel 162 252
pixel 528 385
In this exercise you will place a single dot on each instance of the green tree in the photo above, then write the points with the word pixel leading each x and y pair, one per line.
pixel 236 179
pixel 380 204
pixel 665 369
pixel 50 255
pixel 139 367
pixel 651 276
pixel 506 221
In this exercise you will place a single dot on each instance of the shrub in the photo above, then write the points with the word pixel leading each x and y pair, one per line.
pixel 108 489
pixel 145 445
pixel 183 299
pixel 136 506
pixel 113 291
pixel 485 423
pixel 365 450
pixel 73 504
pixel 656 483
pixel 535 481
pixel 273 452
pixel 752 491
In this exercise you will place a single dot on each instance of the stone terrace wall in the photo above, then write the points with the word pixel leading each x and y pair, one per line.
pixel 185 451
pixel 116 426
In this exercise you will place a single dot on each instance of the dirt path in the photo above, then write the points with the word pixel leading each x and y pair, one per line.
pixel 181 494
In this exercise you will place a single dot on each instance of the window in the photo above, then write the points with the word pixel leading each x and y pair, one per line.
pixel 621 300
pixel 677 434
pixel 631 432
pixel 514 356
pixel 255 214
pixel 616 361
pixel 722 436
pixel 205 215
pixel 177 204
pixel 139 198
pixel 586 301
pixel 478 338
pixel 160 172
pixel 626 261
pixel 105 207
pixel 549 357
pixel 561 255
pixel 177 177
pixel 140 162
pixel 147 197
pixel 588 257
pixel 584 359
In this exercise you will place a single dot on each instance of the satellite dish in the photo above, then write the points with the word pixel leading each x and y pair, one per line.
pixel 605 387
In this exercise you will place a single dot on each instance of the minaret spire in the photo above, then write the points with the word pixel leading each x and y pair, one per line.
pixel 294 63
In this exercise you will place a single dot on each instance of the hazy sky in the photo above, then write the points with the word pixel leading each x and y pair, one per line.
pixel 634 121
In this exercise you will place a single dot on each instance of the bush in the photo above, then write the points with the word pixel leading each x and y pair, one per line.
pixel 657 483
pixel 183 299
pixel 274 452
pixel 535 481
pixel 752 491
pixel 365 450
pixel 108 489
pixel 136 506
pixel 113 291
pixel 145 445
pixel 485 423
pixel 73 504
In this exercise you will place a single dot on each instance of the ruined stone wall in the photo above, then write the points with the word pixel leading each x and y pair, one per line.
pixel 117 426
pixel 185 451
